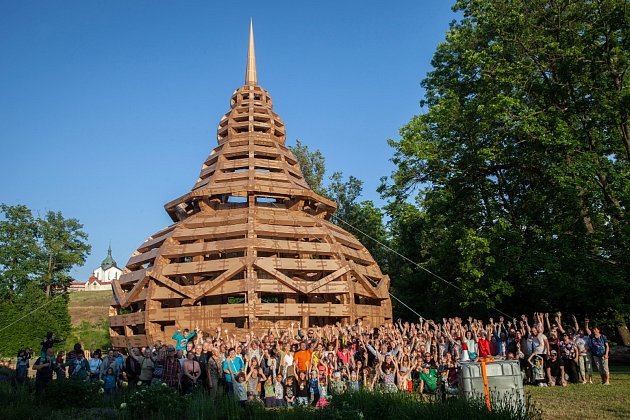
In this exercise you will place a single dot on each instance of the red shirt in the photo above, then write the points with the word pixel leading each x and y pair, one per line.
pixel 484 347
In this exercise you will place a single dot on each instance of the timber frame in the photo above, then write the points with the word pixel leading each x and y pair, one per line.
pixel 251 245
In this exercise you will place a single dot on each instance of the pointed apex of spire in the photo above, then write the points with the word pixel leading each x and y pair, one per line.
pixel 250 74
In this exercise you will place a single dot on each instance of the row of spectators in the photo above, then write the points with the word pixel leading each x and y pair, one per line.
pixel 306 365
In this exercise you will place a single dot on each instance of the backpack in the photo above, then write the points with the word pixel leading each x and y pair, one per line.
pixel 598 346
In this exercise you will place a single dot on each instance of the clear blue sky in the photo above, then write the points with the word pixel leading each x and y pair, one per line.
pixel 108 108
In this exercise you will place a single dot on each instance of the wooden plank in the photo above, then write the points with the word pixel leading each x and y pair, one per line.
pixel 133 276
pixel 268 265
pixel 134 292
pixel 307 309
pixel 207 286
pixel 288 231
pixel 134 318
pixel 299 264
pixel 143 258
pixel 197 267
pixel 332 276
pixel 210 232
pixel 194 249
pixel 156 239
pixel 187 291
pixel 200 314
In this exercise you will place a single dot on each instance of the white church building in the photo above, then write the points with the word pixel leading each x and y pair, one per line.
pixel 102 276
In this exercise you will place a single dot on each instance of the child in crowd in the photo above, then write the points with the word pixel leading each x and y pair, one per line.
pixel 240 391
pixel 109 381
pixel 538 370
pixel 290 391
pixel 268 388
pixel 278 391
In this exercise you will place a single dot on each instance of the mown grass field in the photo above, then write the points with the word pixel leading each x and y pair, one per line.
pixel 584 402
pixel 89 312
pixel 89 306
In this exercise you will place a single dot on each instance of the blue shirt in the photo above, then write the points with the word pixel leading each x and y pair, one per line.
pixel 181 340
pixel 235 366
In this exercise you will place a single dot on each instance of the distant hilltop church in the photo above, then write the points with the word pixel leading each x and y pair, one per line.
pixel 102 276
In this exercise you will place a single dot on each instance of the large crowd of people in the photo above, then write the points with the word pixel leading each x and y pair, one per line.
pixel 286 367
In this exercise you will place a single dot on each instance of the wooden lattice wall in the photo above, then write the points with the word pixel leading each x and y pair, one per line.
pixel 251 244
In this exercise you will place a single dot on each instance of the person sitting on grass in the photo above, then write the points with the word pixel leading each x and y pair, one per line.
pixel 538 370
pixel 555 370
pixel 428 380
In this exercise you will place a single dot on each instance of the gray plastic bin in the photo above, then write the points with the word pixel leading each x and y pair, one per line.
pixel 505 382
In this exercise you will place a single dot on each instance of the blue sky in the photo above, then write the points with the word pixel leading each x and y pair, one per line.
pixel 108 108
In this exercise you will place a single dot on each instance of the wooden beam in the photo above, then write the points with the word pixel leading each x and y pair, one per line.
pixel 332 276
pixel 268 266
pixel 187 291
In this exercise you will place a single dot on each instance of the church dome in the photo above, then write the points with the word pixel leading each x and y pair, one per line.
pixel 108 262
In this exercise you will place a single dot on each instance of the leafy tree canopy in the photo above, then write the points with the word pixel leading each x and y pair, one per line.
pixel 520 164
pixel 36 257
pixel 41 250
pixel 361 218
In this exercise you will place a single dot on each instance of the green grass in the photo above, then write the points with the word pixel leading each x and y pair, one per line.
pixel 89 306
pixel 594 401
pixel 89 312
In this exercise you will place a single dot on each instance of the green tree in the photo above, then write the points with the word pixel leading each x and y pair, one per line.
pixel 522 157
pixel 363 219
pixel 36 256
pixel 312 164
pixel 63 246
pixel 43 250
pixel 19 248
pixel 28 316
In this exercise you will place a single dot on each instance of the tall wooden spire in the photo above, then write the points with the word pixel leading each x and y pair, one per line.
pixel 251 77
pixel 250 246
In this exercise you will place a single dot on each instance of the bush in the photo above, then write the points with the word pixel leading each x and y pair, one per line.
pixel 64 393
pixel 159 399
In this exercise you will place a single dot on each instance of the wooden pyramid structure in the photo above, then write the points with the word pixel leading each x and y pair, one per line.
pixel 251 244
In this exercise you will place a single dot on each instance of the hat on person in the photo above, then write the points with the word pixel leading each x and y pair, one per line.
pixel 170 348
pixel 337 375
pixel 426 365
pixel 554 352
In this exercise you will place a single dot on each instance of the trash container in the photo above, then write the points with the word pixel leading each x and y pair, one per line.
pixel 505 383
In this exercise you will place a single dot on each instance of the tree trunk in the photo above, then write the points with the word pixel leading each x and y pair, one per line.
pixel 49 282
pixel 622 329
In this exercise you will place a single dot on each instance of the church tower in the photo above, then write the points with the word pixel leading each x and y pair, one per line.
pixel 250 245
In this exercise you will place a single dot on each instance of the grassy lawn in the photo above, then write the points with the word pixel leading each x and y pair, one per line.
pixel 586 401
pixel 89 312
pixel 89 306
